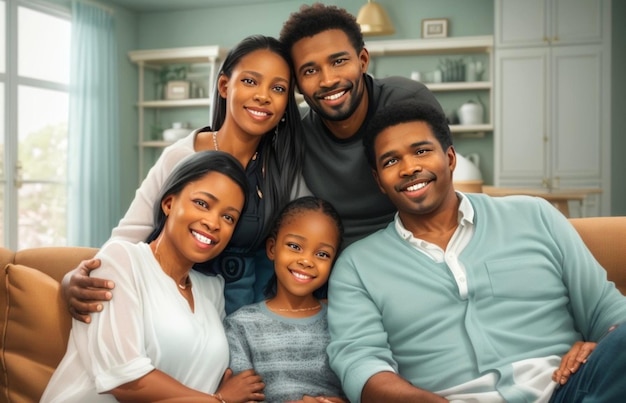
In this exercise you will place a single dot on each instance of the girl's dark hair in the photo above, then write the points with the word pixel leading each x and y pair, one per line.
pixel 403 112
pixel 295 207
pixel 312 19
pixel 283 147
pixel 191 169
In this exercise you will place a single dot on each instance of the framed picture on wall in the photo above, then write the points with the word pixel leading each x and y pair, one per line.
pixel 434 28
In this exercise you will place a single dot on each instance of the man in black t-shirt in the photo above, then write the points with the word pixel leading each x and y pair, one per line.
pixel 331 63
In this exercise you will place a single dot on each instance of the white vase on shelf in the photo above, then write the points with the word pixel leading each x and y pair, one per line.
pixel 471 113
pixel 178 131
pixel 467 176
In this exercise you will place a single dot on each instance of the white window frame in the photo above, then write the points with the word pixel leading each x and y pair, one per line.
pixel 12 81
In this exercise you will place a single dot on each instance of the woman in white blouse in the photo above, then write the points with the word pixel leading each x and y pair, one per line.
pixel 161 337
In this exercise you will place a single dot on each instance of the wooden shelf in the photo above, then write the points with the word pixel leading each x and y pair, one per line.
pixel 459 86
pixel 466 44
pixel 471 128
pixel 155 143
pixel 442 46
pixel 194 54
pixel 178 103
pixel 560 198
pixel 203 62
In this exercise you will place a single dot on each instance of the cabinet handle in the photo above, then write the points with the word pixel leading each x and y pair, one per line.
pixel 555 39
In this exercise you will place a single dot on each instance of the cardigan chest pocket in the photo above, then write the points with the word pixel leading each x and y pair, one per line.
pixel 520 278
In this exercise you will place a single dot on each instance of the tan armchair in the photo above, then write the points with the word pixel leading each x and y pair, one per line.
pixel 35 323
pixel 34 320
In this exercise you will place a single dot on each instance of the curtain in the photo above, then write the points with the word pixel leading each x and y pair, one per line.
pixel 93 143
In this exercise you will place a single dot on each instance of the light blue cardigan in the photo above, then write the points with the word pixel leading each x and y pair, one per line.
pixel 534 289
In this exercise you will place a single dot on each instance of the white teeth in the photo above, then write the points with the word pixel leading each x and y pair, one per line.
pixel 202 238
pixel 257 113
pixel 416 187
pixel 334 96
pixel 300 276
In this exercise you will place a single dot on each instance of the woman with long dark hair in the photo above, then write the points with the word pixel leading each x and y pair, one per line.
pixel 256 119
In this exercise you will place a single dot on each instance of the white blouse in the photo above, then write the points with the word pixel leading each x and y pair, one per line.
pixel 147 324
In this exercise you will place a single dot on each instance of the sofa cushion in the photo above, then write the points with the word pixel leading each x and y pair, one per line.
pixel 35 329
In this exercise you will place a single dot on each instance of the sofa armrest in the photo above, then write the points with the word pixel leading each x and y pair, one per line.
pixel 54 261
pixel 35 330
pixel 34 319
pixel 606 239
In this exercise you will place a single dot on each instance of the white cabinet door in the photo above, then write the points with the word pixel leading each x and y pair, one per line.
pixel 548 22
pixel 576 113
pixel 576 21
pixel 521 122
pixel 550 130
pixel 552 97
pixel 521 23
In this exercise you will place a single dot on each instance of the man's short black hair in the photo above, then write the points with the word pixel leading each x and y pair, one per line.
pixel 403 112
pixel 316 18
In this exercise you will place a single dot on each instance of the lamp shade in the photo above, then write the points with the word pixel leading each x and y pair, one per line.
pixel 374 20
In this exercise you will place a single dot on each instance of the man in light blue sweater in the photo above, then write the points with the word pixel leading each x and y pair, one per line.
pixel 464 297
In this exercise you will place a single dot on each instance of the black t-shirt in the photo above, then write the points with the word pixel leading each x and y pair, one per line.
pixel 337 170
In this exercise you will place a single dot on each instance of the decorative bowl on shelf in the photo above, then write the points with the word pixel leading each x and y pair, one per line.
pixel 178 131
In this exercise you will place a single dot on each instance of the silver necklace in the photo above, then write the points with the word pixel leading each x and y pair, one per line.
pixel 186 285
pixel 155 251
pixel 215 141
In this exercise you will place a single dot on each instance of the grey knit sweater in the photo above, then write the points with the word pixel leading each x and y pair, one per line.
pixel 289 353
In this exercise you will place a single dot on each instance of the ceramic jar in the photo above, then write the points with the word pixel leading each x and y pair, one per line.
pixel 467 167
pixel 471 113
pixel 178 131
pixel 467 176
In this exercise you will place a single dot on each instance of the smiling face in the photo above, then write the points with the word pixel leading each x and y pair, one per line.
pixel 329 73
pixel 256 93
pixel 303 253
pixel 413 170
pixel 202 217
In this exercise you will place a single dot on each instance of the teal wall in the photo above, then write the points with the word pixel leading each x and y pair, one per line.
pixel 225 26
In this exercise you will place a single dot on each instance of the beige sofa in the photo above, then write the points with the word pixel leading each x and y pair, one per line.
pixel 35 323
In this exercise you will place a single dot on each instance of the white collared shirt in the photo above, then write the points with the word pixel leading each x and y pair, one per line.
pixel 461 237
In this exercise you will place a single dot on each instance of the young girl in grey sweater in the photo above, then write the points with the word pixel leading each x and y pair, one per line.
pixel 284 338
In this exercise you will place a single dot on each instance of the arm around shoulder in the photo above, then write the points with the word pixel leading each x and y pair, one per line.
pixel 84 294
